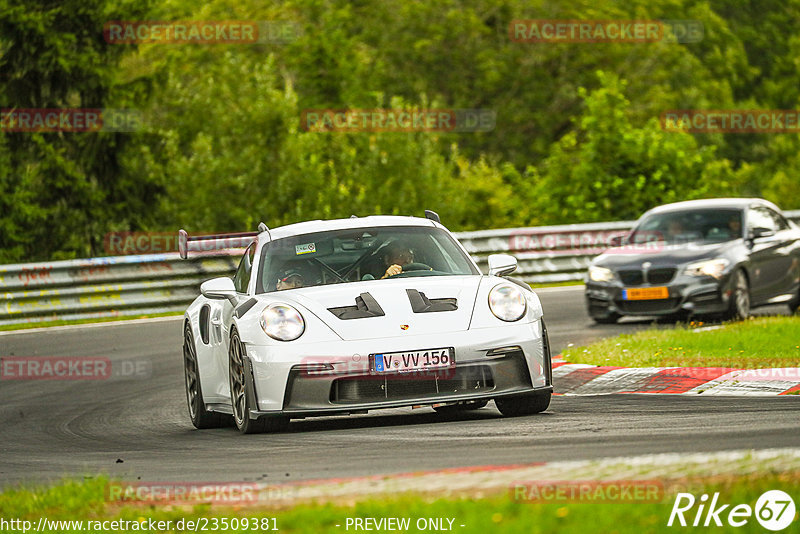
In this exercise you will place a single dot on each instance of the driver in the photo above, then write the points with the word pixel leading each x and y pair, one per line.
pixel 735 226
pixel 395 256
pixel 290 279
pixel 674 229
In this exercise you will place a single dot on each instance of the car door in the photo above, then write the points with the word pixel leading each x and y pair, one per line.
pixel 769 262
pixel 221 317
pixel 783 266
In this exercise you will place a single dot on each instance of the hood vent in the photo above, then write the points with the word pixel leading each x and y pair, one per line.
pixel 366 306
pixel 422 304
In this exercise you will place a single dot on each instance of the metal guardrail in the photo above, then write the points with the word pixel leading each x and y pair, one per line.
pixel 545 253
pixel 160 283
pixel 105 287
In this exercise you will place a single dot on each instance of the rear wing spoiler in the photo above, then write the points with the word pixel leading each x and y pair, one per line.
pixel 205 243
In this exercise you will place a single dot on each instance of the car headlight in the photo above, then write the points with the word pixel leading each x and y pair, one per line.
pixel 713 268
pixel 600 274
pixel 507 302
pixel 282 322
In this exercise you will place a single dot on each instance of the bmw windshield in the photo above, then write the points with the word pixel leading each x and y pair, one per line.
pixel 690 226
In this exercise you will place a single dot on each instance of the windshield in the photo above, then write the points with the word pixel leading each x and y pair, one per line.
pixel 693 226
pixel 362 254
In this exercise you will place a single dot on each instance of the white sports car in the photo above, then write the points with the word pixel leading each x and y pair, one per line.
pixel 349 315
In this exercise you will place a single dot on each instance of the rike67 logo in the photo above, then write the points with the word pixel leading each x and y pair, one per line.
pixel 774 510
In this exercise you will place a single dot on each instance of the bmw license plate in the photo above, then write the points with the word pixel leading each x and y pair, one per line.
pixel 645 293
pixel 415 360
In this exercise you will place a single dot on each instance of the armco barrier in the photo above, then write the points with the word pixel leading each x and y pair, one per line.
pixel 160 283
pixel 563 252
pixel 106 287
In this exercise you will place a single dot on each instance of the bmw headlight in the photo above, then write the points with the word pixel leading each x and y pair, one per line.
pixel 600 274
pixel 713 268
pixel 282 322
pixel 507 302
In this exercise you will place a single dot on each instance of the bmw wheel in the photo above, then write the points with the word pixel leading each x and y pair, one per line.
pixel 242 394
pixel 794 304
pixel 739 306
pixel 201 418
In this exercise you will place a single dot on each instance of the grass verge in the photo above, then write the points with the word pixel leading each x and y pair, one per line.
pixel 74 501
pixel 758 343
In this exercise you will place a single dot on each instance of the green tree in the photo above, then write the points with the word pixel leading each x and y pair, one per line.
pixel 610 169
pixel 67 188
pixel 223 147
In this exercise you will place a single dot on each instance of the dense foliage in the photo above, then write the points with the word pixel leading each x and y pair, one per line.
pixel 577 136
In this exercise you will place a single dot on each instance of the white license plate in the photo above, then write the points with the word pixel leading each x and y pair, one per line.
pixel 415 360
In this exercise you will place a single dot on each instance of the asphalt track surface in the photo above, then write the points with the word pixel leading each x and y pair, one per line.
pixel 138 428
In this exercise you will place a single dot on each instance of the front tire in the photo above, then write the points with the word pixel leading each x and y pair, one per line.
pixel 523 405
pixel 242 396
pixel 201 418
pixel 794 304
pixel 739 305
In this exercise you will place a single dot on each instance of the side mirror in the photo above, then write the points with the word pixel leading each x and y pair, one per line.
pixel 761 232
pixel 502 264
pixel 219 288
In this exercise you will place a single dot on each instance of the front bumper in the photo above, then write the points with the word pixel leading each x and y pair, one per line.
pixel 298 379
pixel 696 295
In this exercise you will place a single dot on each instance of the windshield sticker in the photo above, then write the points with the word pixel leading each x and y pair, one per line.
pixel 305 249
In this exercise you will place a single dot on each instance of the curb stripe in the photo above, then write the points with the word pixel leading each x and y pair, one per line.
pixel 791 390
pixel 619 380
pixel 564 370
pixel 680 380
pixel 751 382
pixel 582 379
